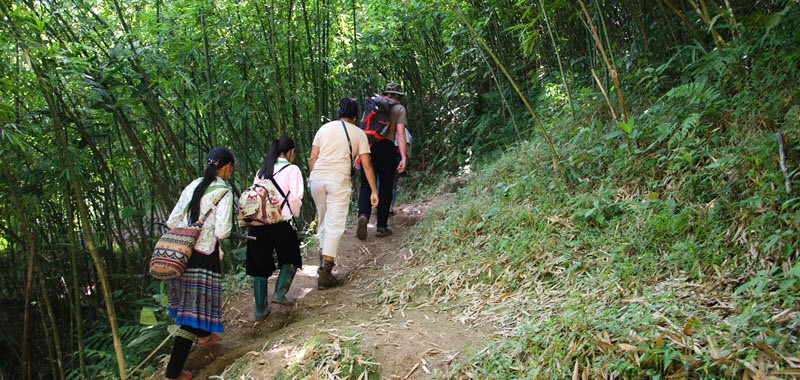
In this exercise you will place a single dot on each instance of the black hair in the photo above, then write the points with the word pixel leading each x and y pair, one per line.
pixel 278 146
pixel 348 108
pixel 215 159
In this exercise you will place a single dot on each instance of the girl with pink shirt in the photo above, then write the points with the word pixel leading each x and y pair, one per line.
pixel 280 238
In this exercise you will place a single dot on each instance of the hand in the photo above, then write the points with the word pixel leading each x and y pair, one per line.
pixel 401 167
pixel 373 199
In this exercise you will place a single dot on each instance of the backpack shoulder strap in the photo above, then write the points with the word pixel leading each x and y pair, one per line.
pixel 285 196
pixel 281 169
pixel 280 191
pixel 391 101
pixel 273 174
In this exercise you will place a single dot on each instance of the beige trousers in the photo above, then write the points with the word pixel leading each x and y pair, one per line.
pixel 333 201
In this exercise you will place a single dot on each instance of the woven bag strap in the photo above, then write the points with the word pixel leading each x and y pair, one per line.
pixel 216 202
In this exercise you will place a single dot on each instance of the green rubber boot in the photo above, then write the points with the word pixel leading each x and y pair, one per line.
pixel 282 285
pixel 261 309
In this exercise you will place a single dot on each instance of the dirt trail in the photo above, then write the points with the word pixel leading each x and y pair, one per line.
pixel 410 343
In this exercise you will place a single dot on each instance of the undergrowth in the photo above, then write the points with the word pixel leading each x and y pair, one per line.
pixel 330 357
pixel 668 249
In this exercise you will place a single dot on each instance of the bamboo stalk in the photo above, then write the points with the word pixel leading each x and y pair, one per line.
pixel 683 19
pixel 524 100
pixel 89 239
pixel 151 101
pixel 151 105
pixel 150 356
pixel 641 26
pixel 605 34
pixel 784 168
pixel 76 290
pixel 50 353
pixel 611 69
pixel 30 246
pixel 558 58
pixel 212 123
pixel 277 92
pixel 47 92
pixel 275 115
pixel 605 95
pixel 356 63
pixel 702 11
pixel 48 306
pixel 295 91
pixel 668 21
pixel 503 99
pixel 733 21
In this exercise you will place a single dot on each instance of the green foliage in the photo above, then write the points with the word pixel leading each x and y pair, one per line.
pixel 671 254
pixel 330 357
pixel 142 90
pixel 139 342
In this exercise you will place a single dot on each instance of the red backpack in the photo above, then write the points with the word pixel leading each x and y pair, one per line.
pixel 376 122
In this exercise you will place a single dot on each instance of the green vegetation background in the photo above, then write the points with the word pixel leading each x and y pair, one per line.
pixel 664 242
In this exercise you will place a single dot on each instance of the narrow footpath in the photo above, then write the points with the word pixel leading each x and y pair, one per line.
pixel 413 342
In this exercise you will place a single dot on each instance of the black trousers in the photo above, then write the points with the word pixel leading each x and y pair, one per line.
pixel 384 162
pixel 180 351
pixel 271 239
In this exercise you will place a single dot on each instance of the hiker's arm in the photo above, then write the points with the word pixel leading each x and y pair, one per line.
pixel 313 159
pixel 401 144
pixel 366 163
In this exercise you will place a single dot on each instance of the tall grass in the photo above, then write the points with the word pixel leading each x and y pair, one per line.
pixel 672 254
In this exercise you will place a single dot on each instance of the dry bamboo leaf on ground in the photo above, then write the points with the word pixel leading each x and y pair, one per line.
pixel 575 374
pixel 412 371
pixel 629 347
pixel 768 351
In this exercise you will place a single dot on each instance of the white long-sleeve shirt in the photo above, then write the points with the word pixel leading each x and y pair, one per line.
pixel 218 223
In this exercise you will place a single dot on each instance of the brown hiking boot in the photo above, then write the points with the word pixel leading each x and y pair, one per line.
pixel 325 278
pixel 383 232
pixel 361 230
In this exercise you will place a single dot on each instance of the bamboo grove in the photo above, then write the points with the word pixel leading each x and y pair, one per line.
pixel 107 108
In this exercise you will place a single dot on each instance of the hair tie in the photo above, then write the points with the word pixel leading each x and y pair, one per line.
pixel 213 162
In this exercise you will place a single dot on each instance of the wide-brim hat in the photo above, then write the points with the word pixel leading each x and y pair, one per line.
pixel 394 88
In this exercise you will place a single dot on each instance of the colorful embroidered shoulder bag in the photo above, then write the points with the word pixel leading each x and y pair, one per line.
pixel 174 249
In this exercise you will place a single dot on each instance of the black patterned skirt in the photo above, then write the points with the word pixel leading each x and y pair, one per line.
pixel 195 299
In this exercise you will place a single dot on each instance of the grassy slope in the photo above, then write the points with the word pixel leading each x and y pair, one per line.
pixel 672 253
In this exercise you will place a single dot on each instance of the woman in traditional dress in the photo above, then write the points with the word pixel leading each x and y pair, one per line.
pixel 195 299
